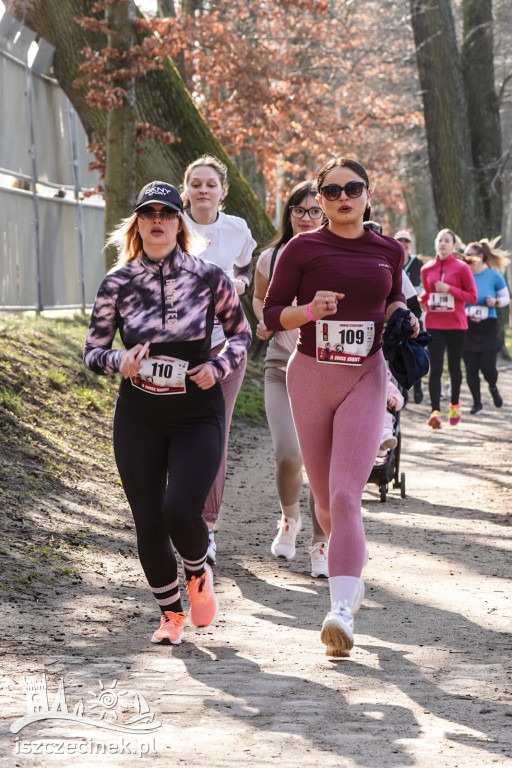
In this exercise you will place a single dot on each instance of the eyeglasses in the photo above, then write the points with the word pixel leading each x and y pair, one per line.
pixel 352 189
pixel 149 214
pixel 298 213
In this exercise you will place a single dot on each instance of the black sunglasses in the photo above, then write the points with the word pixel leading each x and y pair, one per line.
pixel 352 189
pixel 149 214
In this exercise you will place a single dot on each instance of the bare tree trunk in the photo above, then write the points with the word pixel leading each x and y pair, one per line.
pixel 483 110
pixel 121 128
pixel 449 144
pixel 421 213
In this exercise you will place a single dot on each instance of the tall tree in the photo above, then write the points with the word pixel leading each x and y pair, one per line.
pixel 461 114
pixel 483 109
pixel 121 135
pixel 161 100
pixel 449 145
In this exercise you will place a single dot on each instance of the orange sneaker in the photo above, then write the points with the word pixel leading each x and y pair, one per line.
pixel 203 602
pixel 435 420
pixel 171 628
pixel 455 416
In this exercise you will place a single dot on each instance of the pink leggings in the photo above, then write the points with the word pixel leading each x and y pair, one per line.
pixel 230 388
pixel 338 412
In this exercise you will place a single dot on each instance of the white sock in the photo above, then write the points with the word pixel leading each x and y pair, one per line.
pixel 292 511
pixel 343 589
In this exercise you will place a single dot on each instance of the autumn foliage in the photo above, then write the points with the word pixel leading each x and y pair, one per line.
pixel 292 83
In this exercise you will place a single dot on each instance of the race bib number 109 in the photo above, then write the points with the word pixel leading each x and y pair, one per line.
pixel 346 343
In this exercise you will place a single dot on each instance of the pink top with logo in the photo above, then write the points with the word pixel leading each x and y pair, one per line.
pixel 367 269
pixel 459 277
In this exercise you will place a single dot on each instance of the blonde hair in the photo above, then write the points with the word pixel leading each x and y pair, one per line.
pixel 128 242
pixel 493 257
pixel 210 161
pixel 458 245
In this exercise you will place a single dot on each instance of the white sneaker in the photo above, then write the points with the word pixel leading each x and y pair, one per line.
pixel 318 554
pixel 338 630
pixel 284 543
pixel 212 549
pixel 388 440
pixel 358 599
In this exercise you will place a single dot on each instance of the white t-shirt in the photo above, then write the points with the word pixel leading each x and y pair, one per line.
pixel 230 243
pixel 408 288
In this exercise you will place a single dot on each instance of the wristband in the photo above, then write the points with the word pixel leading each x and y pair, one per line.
pixel 310 314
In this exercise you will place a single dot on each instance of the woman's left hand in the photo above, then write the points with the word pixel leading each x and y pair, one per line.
pixel 442 287
pixel 491 301
pixel 415 324
pixel 203 375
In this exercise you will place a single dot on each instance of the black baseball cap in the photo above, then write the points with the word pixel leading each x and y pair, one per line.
pixel 159 192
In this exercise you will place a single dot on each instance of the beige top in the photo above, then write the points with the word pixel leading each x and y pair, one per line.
pixel 286 339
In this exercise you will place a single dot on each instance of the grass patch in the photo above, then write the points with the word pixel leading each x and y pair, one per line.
pixel 250 403
pixel 10 401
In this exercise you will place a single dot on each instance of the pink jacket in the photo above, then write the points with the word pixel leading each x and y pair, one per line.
pixel 462 286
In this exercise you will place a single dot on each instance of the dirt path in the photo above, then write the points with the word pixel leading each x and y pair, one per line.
pixel 430 679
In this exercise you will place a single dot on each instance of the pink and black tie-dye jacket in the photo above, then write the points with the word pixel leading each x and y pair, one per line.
pixel 171 304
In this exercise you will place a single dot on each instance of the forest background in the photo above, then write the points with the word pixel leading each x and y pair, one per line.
pixel 419 91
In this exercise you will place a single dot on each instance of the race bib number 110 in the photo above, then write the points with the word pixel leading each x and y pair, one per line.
pixel 161 375
pixel 346 343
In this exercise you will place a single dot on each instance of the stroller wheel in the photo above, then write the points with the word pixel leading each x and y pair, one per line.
pixel 402 485
pixel 383 491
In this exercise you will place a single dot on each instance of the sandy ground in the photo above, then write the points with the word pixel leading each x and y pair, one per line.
pixel 428 682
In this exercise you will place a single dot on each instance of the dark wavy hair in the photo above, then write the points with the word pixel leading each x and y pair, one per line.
pixel 344 162
pixel 299 192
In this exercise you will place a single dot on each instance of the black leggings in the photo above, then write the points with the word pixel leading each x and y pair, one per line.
pixel 168 455
pixel 480 361
pixel 453 342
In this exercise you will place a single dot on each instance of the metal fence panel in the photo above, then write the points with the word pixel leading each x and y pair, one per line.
pixel 51 248
pixel 60 270
pixel 14 133
pixel 93 217
pixel 18 277
pixel 51 131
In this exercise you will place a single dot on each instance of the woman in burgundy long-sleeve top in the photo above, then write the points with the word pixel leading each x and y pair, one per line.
pixel 346 281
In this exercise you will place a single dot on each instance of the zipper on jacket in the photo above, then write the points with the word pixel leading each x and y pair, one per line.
pixel 162 293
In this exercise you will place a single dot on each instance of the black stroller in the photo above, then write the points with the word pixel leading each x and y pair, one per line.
pixel 387 468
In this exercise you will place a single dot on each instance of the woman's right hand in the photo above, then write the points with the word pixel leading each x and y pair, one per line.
pixel 325 303
pixel 262 332
pixel 130 359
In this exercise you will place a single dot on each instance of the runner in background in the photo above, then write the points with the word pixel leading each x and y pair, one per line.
pixel 170 416
pixel 447 285
pixel 481 345
pixel 301 213
pixel 412 269
pixel 229 245
pixel 346 281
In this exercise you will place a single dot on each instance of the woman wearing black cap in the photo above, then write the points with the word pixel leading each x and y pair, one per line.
pixel 169 418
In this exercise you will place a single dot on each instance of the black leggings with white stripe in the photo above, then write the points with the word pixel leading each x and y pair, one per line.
pixel 168 450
